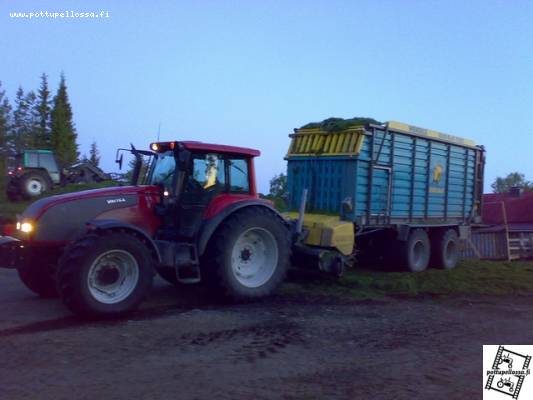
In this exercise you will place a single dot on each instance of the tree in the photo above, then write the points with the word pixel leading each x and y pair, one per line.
pixel 31 123
pixel 43 109
pixel 19 137
pixel 63 133
pixel 278 191
pixel 278 186
pixel 5 117
pixel 94 154
pixel 503 185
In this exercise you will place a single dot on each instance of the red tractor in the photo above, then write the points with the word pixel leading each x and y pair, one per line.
pixel 196 217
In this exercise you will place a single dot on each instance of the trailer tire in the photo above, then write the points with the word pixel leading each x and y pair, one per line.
pixel 39 278
pixel 105 274
pixel 248 256
pixel 445 249
pixel 416 251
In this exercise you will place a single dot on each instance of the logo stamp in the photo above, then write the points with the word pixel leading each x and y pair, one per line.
pixel 509 370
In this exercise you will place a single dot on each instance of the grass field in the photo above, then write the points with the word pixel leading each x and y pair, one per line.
pixel 470 277
pixel 9 210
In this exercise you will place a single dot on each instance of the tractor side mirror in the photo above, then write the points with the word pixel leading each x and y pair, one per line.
pixel 120 160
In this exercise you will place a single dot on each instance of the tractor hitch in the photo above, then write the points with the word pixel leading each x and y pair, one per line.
pixel 10 252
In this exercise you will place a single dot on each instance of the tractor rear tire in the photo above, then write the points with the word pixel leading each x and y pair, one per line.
pixel 248 256
pixel 445 249
pixel 416 251
pixel 105 274
pixel 39 277
pixel 33 184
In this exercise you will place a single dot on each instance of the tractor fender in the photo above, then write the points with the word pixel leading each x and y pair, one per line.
pixel 210 226
pixel 113 224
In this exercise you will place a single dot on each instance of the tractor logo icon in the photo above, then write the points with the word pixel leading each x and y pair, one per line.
pixel 437 173
pixel 505 359
pixel 508 381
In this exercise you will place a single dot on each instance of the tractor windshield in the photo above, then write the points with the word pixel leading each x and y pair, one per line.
pixel 162 170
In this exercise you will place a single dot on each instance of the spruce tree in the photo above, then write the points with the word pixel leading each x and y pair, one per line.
pixel 5 117
pixel 32 138
pixel 43 109
pixel 63 133
pixel 94 154
pixel 19 133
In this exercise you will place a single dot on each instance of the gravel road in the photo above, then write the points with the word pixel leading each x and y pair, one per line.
pixel 181 346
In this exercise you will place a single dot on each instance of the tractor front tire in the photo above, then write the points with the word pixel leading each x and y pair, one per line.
pixel 248 256
pixel 33 184
pixel 106 274
pixel 39 277
pixel 445 249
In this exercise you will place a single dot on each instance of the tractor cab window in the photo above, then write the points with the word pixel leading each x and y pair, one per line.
pixel 47 161
pixel 207 173
pixel 163 169
pixel 238 175
pixel 32 160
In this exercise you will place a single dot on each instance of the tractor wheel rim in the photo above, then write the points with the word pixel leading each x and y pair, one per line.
pixel 113 276
pixel 254 257
pixel 34 186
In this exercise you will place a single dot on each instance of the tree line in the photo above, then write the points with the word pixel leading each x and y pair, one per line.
pixel 36 120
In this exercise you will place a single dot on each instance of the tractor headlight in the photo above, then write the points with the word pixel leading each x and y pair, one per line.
pixel 26 227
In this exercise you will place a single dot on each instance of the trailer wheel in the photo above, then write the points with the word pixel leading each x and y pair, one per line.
pixel 38 277
pixel 34 184
pixel 416 251
pixel 105 275
pixel 445 249
pixel 248 256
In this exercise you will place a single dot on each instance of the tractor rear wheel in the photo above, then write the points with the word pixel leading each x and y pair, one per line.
pixel 39 277
pixel 445 249
pixel 249 255
pixel 33 184
pixel 105 274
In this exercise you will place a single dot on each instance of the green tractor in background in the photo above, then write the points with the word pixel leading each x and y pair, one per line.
pixel 37 171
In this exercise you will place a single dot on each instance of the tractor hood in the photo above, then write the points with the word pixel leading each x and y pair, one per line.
pixel 64 217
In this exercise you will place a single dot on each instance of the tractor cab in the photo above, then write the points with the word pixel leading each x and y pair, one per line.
pixel 43 160
pixel 198 181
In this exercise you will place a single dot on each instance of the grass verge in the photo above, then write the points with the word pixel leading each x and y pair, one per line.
pixel 470 277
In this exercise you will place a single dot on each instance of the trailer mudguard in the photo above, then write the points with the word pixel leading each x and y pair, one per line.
pixel 210 226
pixel 113 224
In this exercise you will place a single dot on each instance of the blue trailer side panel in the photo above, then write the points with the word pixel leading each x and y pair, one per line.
pixel 396 178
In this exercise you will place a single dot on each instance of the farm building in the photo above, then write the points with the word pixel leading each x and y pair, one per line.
pixel 507 231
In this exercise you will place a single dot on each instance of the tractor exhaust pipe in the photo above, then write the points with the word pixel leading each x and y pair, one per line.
pixel 301 212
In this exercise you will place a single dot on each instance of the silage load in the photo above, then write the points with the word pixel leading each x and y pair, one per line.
pixel 340 124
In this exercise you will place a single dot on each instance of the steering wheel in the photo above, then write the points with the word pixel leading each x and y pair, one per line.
pixel 194 186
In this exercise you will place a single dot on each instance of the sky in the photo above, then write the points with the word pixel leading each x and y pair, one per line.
pixel 247 72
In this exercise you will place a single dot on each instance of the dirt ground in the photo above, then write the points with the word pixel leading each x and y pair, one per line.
pixel 180 346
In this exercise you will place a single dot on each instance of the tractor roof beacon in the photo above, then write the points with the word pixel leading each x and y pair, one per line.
pixel 195 216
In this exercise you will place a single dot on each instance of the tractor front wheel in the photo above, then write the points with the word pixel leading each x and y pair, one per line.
pixel 105 274
pixel 249 255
